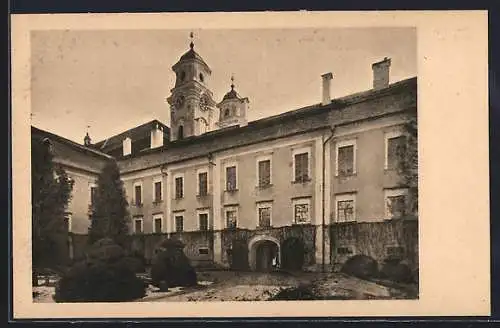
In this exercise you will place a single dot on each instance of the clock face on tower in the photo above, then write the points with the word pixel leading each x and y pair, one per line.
pixel 179 101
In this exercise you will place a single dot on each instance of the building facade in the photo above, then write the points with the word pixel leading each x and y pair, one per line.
pixel 305 189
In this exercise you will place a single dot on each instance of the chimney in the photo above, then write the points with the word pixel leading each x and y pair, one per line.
pixel 127 146
pixel 381 73
pixel 156 136
pixel 327 77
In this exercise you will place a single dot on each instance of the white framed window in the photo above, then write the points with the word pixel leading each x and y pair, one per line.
pixel 138 194
pixel 346 153
pixel 395 203
pixel 301 210
pixel 203 220
pixel 202 182
pixel 67 221
pixel 157 189
pixel 158 223
pixel 345 208
pixel 138 224
pixel 264 171
pixel 179 221
pixel 395 142
pixel 231 217
pixel 301 164
pixel 179 186
pixel 231 176
pixel 264 214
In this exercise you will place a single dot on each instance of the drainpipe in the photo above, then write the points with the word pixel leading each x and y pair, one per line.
pixel 323 224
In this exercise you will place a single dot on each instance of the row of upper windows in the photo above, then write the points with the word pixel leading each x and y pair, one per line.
pixel 395 204
pixel 345 166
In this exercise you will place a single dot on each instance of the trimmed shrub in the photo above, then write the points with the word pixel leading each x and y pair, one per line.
pixel 396 271
pixel 105 276
pixel 361 266
pixel 171 267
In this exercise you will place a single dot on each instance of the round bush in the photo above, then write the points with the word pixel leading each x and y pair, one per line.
pixel 102 277
pixel 396 271
pixel 361 266
pixel 171 267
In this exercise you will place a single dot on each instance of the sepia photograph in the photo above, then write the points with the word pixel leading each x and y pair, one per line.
pixel 226 164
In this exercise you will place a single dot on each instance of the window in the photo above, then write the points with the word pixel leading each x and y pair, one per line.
pixel 301 210
pixel 138 194
pixel 344 250
pixel 183 76
pixel 301 165
pixel 395 147
pixel 203 251
pixel 138 225
pixel 158 194
pixel 179 187
pixel 201 77
pixel 264 171
pixel 346 158
pixel 231 217
pixel 203 221
pixel 226 112
pixel 93 195
pixel 395 203
pixel 157 223
pixel 202 183
pixel 67 222
pixel 231 178
pixel 179 223
pixel 264 211
pixel 345 208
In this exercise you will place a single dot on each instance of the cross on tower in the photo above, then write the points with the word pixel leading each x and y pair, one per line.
pixel 191 35
pixel 232 81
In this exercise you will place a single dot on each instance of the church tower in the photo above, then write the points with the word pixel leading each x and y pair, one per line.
pixel 232 109
pixel 192 108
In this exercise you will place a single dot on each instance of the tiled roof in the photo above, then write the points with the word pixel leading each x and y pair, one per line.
pixel 140 132
pixel 77 146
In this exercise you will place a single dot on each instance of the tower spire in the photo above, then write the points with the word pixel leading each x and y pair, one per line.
pixel 191 45
pixel 87 141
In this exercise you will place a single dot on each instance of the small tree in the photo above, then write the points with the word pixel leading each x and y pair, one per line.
pixel 51 192
pixel 110 216
pixel 408 167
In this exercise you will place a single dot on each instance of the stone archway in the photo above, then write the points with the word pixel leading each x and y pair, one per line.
pixel 262 250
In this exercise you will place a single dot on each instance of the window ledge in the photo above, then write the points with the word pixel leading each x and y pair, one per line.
pixel 263 227
pixel 178 198
pixel 202 196
pixel 346 175
pixel 138 205
pixel 264 187
pixel 232 191
pixel 157 202
pixel 302 181
pixel 301 223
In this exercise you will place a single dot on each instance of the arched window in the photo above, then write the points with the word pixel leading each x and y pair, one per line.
pixel 226 112
pixel 180 133
pixel 202 78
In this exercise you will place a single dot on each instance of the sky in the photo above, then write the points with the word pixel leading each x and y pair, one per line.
pixel 114 80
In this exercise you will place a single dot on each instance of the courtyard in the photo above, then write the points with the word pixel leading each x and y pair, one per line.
pixel 224 286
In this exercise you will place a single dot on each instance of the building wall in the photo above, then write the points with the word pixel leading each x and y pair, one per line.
pixel 149 207
pixel 370 178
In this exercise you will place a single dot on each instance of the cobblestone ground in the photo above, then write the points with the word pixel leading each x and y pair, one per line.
pixel 253 286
